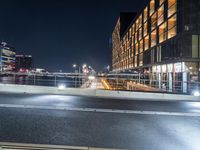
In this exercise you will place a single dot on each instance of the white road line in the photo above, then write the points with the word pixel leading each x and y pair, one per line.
pixel 189 114
pixel 23 146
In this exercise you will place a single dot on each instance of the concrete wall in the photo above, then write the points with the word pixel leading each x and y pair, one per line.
pixel 96 93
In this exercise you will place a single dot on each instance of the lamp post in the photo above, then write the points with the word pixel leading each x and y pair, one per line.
pixel 79 71
pixel 74 66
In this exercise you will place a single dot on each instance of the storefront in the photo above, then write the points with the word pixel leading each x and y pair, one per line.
pixel 176 77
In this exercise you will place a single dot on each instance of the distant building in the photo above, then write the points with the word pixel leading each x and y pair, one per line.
pixel 23 63
pixel 7 57
pixel 161 43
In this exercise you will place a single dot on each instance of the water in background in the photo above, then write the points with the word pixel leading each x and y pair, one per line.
pixel 41 80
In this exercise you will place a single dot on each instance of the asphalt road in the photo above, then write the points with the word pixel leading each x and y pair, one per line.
pixel 94 129
pixel 98 103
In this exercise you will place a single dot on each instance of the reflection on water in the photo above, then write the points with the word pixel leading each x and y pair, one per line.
pixel 41 80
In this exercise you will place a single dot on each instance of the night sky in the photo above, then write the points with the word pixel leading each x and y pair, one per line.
pixel 58 33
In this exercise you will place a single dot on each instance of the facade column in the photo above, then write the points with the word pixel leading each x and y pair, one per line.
pixel 199 72
pixel 184 78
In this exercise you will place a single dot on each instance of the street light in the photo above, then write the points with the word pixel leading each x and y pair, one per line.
pixel 74 65
pixel 84 66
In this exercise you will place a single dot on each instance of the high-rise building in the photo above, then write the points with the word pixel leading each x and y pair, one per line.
pixel 7 57
pixel 23 62
pixel 162 42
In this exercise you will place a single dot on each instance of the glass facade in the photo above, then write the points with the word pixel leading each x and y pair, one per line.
pixel 150 28
pixel 163 40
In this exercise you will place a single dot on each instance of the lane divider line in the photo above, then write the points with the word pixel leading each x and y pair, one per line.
pixel 23 146
pixel 187 114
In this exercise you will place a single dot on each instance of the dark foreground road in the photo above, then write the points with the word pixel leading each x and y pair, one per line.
pixel 94 129
pixel 98 103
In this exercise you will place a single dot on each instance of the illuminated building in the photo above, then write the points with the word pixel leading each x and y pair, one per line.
pixel 7 57
pixel 23 62
pixel 162 43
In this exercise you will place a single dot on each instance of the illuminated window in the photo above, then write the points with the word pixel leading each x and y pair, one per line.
pixel 141 59
pixel 132 52
pixel 161 15
pixel 140 21
pixel 172 22
pixel 171 7
pixel 145 14
pixel 146 42
pixel 130 33
pixel 136 60
pixel 133 29
pixel 152 7
pixel 172 32
pixel 162 32
pixel 137 24
pixel 136 37
pixel 140 34
pixel 145 29
pixel 136 49
pixel 161 2
pixel 153 21
pixel 132 43
pixel 153 38
pixel 171 2
pixel 141 46
pixel 172 27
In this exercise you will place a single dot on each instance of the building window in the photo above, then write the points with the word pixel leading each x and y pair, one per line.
pixel 171 7
pixel 146 42
pixel 133 44
pixel 145 29
pixel 159 54
pixel 145 14
pixel 136 37
pixel 137 25
pixel 172 33
pixel 136 49
pixel 161 2
pixel 195 46
pixel 136 60
pixel 161 15
pixel 141 59
pixel 140 34
pixel 162 32
pixel 172 27
pixel 133 30
pixel 153 21
pixel 141 46
pixel 152 7
pixel 140 21
pixel 152 55
pixel 153 38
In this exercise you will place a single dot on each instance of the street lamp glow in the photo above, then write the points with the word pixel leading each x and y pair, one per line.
pixel 74 65
pixel 84 65
pixel 61 86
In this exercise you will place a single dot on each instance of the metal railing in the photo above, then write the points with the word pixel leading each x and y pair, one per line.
pixel 73 81
pixel 151 85
pixel 125 83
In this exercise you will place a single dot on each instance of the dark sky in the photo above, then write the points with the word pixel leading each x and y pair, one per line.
pixel 59 33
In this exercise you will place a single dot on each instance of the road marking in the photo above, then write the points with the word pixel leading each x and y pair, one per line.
pixel 23 146
pixel 187 114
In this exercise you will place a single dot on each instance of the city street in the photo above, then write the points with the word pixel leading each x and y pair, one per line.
pixel 37 119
